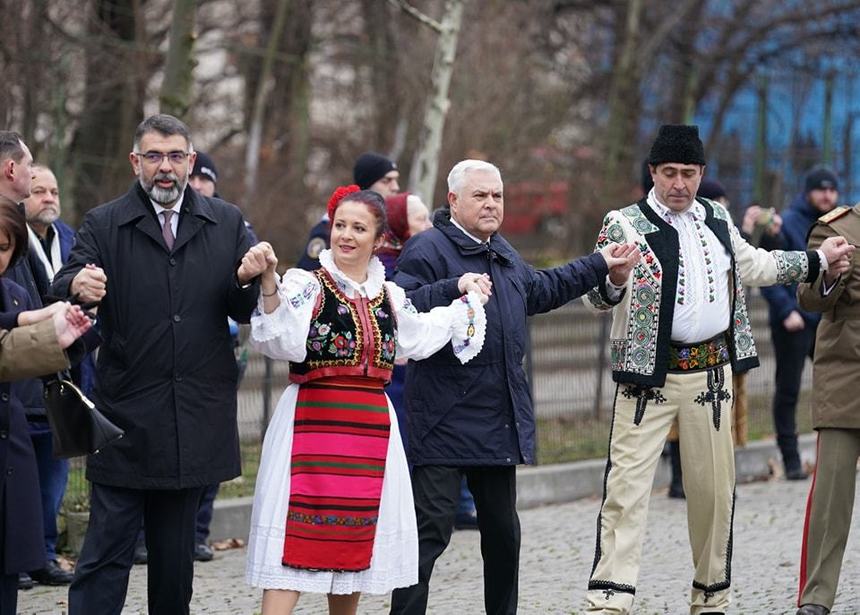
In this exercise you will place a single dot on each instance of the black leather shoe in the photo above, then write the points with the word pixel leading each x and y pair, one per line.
pixel 466 521
pixel 24 581
pixel 813 609
pixel 141 555
pixel 796 474
pixel 677 492
pixel 52 574
pixel 203 552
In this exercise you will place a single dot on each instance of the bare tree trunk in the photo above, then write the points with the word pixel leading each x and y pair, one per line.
pixel 623 107
pixel 425 166
pixel 384 73
pixel 255 136
pixel 175 96
pixel 113 104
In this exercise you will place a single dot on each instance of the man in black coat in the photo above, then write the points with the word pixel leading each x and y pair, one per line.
pixel 163 261
pixel 477 419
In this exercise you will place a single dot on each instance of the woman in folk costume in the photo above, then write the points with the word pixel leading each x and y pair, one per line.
pixel 333 510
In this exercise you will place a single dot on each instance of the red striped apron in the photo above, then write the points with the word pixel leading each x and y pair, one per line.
pixel 340 442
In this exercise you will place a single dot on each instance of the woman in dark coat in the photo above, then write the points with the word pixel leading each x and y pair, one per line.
pixel 21 534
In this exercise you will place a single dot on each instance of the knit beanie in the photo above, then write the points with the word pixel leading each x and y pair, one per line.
pixel 370 167
pixel 820 179
pixel 204 167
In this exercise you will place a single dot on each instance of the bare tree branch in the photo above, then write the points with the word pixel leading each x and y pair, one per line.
pixel 421 17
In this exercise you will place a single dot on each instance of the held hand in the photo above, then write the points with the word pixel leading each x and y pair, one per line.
pixel 31 317
pixel 835 248
pixel 90 284
pixel 794 322
pixel 834 270
pixel 473 287
pixel 479 282
pixel 70 323
pixel 260 259
pixel 620 258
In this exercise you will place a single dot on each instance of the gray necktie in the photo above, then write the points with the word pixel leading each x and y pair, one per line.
pixel 167 229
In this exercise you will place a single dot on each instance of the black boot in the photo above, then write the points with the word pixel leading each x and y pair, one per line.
pixel 676 487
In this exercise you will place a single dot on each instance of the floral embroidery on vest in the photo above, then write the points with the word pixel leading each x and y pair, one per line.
pixel 743 338
pixel 635 216
pixel 336 337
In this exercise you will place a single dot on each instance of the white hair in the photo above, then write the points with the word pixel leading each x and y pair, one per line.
pixel 458 173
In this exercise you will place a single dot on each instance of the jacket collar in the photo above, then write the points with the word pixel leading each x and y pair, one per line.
pixel 196 211
pixel 496 247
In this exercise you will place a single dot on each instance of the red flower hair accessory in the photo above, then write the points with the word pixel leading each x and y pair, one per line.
pixel 337 197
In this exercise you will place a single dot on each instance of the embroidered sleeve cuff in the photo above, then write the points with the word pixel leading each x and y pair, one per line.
pixel 296 298
pixel 469 327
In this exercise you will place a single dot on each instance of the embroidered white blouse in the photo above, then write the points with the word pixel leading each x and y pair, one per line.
pixel 283 333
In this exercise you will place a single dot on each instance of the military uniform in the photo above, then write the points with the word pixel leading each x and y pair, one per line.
pixel 317 242
pixel 836 415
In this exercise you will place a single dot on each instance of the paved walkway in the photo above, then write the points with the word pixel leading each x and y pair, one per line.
pixel 557 552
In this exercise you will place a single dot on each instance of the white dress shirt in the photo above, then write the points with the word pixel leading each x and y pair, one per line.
pixel 174 219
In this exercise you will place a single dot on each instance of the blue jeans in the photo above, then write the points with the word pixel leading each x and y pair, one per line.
pixel 53 477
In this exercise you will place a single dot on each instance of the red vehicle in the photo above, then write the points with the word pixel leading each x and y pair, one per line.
pixel 535 207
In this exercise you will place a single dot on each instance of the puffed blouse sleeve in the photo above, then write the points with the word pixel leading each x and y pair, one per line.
pixel 283 333
pixel 463 323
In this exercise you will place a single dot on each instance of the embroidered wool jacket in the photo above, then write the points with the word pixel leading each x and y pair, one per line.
pixel 642 318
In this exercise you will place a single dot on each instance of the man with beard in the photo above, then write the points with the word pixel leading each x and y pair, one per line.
pixel 162 261
pixel 50 241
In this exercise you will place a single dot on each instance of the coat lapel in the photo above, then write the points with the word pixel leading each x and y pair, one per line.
pixel 194 215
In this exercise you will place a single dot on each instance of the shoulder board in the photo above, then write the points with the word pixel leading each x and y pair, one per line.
pixel 831 216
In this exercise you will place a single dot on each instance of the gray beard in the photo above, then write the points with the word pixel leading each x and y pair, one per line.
pixel 46 219
pixel 164 196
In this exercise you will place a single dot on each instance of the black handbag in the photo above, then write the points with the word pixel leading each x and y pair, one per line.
pixel 77 427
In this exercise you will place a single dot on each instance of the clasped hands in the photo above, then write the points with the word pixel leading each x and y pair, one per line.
pixel 476 282
pixel 838 252
pixel 620 258
pixel 259 260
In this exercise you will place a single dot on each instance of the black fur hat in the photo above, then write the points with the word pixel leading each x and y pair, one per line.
pixel 677 143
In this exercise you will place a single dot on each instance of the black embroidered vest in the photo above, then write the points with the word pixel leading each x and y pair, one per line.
pixel 348 337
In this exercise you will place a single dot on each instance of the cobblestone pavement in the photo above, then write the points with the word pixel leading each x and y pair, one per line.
pixel 557 552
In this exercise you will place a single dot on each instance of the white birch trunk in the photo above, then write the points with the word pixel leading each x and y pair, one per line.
pixel 425 166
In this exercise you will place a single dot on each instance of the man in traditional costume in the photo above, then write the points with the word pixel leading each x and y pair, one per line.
pixel 680 328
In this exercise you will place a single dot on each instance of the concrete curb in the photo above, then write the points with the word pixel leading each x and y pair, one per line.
pixel 551 484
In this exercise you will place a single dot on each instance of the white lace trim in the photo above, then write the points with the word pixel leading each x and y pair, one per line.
pixel 369 288
pixel 468 331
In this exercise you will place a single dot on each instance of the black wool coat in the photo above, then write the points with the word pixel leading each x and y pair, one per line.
pixel 166 372
pixel 22 544
pixel 480 413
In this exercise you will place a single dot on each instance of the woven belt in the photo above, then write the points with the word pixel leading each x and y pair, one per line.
pixel 700 355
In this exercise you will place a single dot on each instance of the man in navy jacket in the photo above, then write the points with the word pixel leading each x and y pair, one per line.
pixel 792 329
pixel 477 419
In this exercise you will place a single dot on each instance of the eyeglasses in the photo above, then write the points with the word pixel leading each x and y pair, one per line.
pixel 153 158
